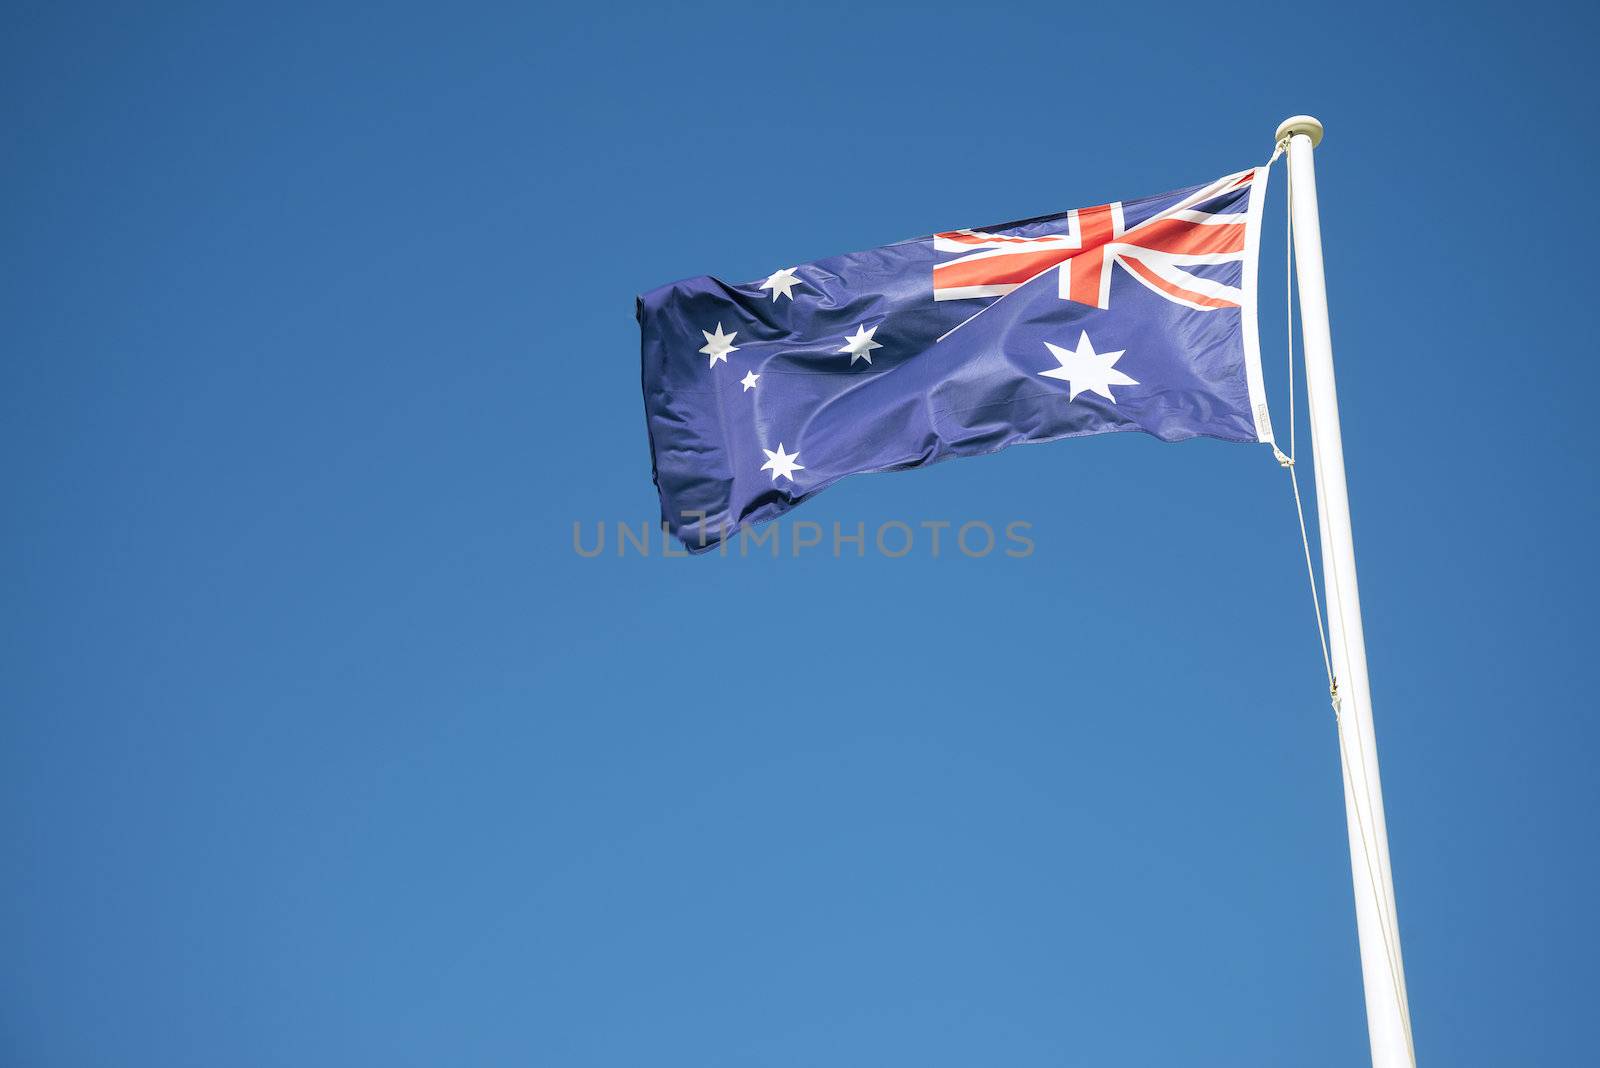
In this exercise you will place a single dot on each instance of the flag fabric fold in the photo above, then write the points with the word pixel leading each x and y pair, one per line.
pixel 1135 315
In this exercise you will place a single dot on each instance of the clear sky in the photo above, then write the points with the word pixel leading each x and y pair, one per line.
pixel 320 745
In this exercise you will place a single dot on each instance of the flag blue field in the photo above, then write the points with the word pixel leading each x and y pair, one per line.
pixel 1135 315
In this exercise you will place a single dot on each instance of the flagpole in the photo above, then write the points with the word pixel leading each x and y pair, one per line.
pixel 1382 971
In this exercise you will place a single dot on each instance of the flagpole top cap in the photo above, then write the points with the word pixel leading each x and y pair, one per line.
pixel 1300 124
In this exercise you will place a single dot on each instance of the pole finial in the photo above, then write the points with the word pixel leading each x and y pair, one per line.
pixel 1300 124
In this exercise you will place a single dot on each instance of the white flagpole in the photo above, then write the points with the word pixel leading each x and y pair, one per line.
pixel 1382 971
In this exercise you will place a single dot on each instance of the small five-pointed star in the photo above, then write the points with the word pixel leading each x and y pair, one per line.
pixel 860 345
pixel 781 463
pixel 718 345
pixel 783 282
pixel 1086 369
pixel 749 382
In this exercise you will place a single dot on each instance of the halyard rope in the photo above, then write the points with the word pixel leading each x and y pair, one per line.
pixel 1385 917
pixel 1287 462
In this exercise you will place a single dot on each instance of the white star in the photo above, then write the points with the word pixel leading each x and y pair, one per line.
pixel 749 382
pixel 1086 369
pixel 781 463
pixel 717 345
pixel 860 345
pixel 783 282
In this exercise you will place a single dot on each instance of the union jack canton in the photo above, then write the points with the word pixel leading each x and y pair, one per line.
pixel 1135 315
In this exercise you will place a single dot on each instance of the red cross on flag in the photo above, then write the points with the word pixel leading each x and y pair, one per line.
pixel 1155 252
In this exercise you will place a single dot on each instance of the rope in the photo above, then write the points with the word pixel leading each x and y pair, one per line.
pixel 1369 849
pixel 1287 462
pixel 1386 921
pixel 1387 924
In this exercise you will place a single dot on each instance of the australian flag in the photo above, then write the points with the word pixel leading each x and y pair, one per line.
pixel 1136 315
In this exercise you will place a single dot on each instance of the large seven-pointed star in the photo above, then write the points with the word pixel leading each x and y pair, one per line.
pixel 718 345
pixel 781 464
pixel 1086 369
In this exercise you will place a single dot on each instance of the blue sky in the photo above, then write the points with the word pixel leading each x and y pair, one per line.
pixel 319 745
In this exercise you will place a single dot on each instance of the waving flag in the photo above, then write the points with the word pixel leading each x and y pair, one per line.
pixel 1137 315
